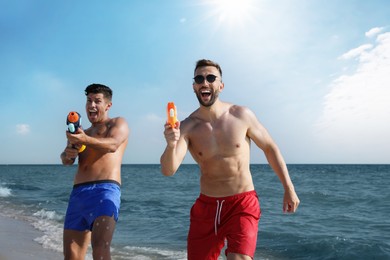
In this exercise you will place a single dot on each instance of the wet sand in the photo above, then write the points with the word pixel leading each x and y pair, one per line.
pixel 17 242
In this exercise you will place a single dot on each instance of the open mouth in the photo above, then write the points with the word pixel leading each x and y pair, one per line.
pixel 92 113
pixel 205 93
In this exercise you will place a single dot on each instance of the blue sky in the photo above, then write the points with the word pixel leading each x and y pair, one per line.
pixel 316 72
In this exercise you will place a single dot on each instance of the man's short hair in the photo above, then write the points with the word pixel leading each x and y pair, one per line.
pixel 204 63
pixel 99 88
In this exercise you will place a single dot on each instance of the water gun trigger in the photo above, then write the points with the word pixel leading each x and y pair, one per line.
pixel 171 114
pixel 82 148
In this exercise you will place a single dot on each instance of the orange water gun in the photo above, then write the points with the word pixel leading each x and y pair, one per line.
pixel 73 122
pixel 172 114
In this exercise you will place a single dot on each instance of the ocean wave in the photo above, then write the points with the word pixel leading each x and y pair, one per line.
pixel 48 222
pixel 5 192
pixel 52 236
pixel 47 214
pixel 149 253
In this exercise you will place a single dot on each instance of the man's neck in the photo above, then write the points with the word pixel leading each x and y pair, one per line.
pixel 214 111
pixel 100 123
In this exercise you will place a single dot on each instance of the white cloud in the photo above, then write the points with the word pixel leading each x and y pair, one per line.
pixel 153 118
pixel 183 20
pixel 22 129
pixel 374 31
pixel 356 110
pixel 355 52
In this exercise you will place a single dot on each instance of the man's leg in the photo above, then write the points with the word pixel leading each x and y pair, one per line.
pixel 102 233
pixel 76 244
pixel 233 256
pixel 202 240
pixel 242 228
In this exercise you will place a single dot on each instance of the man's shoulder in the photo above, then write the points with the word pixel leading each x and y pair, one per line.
pixel 190 120
pixel 193 117
pixel 118 120
pixel 190 123
pixel 118 123
pixel 238 110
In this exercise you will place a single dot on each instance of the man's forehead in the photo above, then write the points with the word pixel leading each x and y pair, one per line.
pixel 206 69
pixel 95 96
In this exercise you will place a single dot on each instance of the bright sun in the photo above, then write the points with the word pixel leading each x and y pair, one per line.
pixel 231 12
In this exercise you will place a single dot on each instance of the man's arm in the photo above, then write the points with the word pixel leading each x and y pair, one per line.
pixel 68 156
pixel 175 150
pixel 263 140
pixel 117 134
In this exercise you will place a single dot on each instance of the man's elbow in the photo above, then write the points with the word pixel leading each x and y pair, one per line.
pixel 166 171
pixel 112 148
pixel 271 149
pixel 66 161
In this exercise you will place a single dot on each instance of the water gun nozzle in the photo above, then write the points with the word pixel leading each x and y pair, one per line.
pixel 172 114
pixel 73 122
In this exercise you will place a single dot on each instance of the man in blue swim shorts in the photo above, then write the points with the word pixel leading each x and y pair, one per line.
pixel 90 200
pixel 94 203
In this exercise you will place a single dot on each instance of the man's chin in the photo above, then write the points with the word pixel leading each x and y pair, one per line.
pixel 93 119
pixel 206 103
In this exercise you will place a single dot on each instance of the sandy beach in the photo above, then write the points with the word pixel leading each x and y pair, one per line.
pixel 17 242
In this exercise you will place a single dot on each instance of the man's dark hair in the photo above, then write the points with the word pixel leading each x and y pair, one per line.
pixel 99 88
pixel 204 63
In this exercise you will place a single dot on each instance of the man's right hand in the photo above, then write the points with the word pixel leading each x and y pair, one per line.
pixel 71 151
pixel 172 135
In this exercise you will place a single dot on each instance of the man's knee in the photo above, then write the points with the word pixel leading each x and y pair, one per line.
pixel 101 244
pixel 75 244
pixel 101 249
pixel 71 253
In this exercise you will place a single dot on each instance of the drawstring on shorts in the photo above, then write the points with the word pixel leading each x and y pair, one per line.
pixel 217 219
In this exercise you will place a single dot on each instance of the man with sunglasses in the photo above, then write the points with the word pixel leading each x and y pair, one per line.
pixel 218 136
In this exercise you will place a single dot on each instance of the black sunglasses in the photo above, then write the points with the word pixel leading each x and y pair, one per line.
pixel 200 79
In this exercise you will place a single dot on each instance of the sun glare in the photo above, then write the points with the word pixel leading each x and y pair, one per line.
pixel 231 12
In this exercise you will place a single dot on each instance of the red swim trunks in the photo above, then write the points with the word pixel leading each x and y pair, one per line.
pixel 214 220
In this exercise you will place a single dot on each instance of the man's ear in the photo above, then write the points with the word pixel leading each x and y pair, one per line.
pixel 109 105
pixel 222 86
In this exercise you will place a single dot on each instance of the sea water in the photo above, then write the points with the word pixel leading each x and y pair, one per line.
pixel 344 211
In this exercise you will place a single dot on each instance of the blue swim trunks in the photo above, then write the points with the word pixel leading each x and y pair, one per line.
pixel 91 200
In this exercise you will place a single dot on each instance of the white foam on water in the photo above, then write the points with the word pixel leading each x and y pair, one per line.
pixel 47 214
pixel 5 192
pixel 48 223
pixel 150 253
